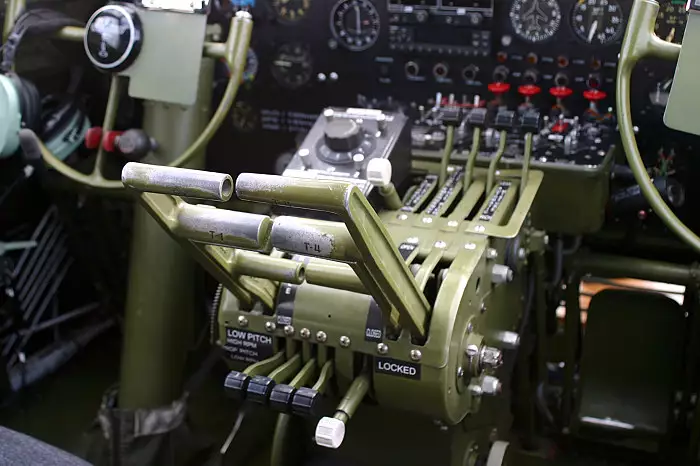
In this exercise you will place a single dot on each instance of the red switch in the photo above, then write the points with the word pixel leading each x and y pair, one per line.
pixel 594 95
pixel 110 139
pixel 529 90
pixel 93 138
pixel 499 88
pixel 561 92
pixel 560 127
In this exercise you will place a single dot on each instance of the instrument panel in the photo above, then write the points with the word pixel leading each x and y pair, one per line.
pixel 410 55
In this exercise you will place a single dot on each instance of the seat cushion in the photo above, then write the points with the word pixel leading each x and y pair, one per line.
pixel 21 450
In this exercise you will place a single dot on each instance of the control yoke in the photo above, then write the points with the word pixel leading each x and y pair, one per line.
pixel 233 51
pixel 360 241
pixel 640 41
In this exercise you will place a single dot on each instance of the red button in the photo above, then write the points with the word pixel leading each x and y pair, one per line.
pixel 93 137
pixel 109 140
pixel 560 127
pixel 529 90
pixel 561 92
pixel 594 95
pixel 499 88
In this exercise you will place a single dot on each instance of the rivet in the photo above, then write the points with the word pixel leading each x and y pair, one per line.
pixel 480 229
pixel 402 216
pixel 441 245
pixel 321 336
pixel 242 321
pixel 288 330
pixel 413 240
pixel 270 326
pixel 427 220
pixel 344 341
pixel 382 348
pixel 305 333
pixel 470 246
pixel 453 224
pixel 416 355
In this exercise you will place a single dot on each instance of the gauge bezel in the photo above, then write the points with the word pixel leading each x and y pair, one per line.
pixel 307 53
pixel 273 4
pixel 530 41
pixel 336 34
pixel 613 40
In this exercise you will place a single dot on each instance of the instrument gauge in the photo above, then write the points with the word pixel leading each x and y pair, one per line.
pixel 291 10
pixel 355 24
pixel 670 22
pixel 292 65
pixel 597 22
pixel 535 20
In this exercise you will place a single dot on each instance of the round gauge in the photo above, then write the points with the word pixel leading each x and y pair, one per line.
pixel 535 20
pixel 292 65
pixel 670 22
pixel 597 22
pixel 355 24
pixel 291 10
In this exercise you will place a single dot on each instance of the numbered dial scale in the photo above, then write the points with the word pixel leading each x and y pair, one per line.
pixel 597 22
pixel 355 24
pixel 535 20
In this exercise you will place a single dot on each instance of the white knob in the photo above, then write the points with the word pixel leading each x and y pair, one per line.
pixel 379 172
pixel 330 432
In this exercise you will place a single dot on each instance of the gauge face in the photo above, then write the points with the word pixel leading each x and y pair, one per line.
pixel 355 24
pixel 535 20
pixel 670 23
pixel 597 22
pixel 292 66
pixel 244 117
pixel 291 10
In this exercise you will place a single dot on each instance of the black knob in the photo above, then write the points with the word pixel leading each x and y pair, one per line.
pixel 451 116
pixel 259 389
pixel 236 385
pixel 113 37
pixel 504 120
pixel 530 121
pixel 343 135
pixel 135 144
pixel 307 402
pixel 477 117
pixel 281 398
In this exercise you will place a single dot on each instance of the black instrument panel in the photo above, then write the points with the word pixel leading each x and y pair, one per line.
pixel 406 54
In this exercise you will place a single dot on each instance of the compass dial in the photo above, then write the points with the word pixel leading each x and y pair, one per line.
pixel 535 20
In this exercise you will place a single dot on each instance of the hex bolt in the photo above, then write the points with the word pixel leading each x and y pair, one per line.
pixel 288 330
pixel 509 340
pixel 242 321
pixel 305 333
pixel 344 341
pixel 416 355
pixel 382 348
pixel 270 326
pixel 501 274
pixel 321 336
pixel 490 385
pixel 490 357
pixel 475 390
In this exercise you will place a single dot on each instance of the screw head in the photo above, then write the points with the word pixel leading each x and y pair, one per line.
pixel 382 348
pixel 321 336
pixel 270 326
pixel 402 216
pixel 522 253
pixel 416 355
pixel 471 350
pixel 413 240
pixel 491 253
pixel 440 245
pixel 453 224
pixel 242 321
pixel 470 246
pixel 344 341
pixel 305 333
pixel 288 330
pixel 427 220
pixel 470 327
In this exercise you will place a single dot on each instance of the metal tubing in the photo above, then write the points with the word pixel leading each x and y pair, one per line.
pixel 195 184
pixel 629 267
pixel 352 399
pixel 445 161
pixel 311 237
pixel 471 159
pixel 209 225
pixel 491 176
pixel 527 153
pixel 275 269
pixel 12 11
pixel 160 299
pixel 391 197
pixel 339 276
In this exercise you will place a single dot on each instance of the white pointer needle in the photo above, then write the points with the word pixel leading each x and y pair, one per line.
pixel 594 28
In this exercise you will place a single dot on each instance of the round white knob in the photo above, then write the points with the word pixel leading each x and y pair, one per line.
pixel 330 432
pixel 379 172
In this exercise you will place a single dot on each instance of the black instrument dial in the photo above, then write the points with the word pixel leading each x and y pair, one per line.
pixel 670 23
pixel 292 66
pixel 597 22
pixel 355 24
pixel 535 20
pixel 291 10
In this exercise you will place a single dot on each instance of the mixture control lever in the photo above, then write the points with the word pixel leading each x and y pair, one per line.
pixel 236 385
pixel 379 173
